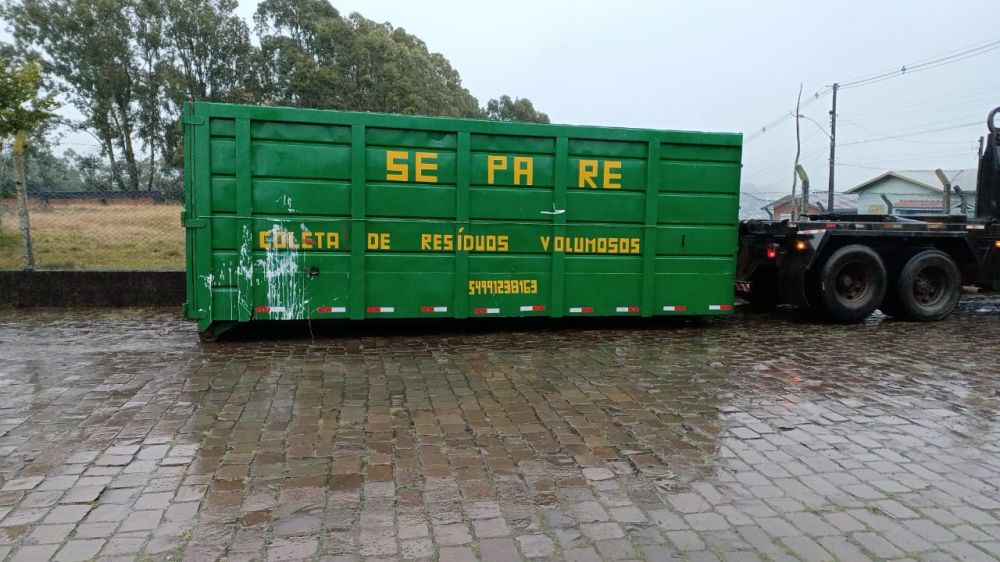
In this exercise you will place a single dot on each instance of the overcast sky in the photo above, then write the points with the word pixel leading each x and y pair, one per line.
pixel 730 66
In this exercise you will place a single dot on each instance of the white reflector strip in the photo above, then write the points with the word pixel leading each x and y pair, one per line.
pixel 975 227
pixel 581 309
pixel 674 308
pixel 811 232
pixel 270 309
pixel 532 308
pixel 331 309
pixel 440 309
pixel 720 307
pixel 380 309
pixel 621 309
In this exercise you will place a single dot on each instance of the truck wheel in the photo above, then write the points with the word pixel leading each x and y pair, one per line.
pixel 929 287
pixel 852 283
pixel 208 336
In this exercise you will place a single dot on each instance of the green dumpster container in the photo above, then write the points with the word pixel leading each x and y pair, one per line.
pixel 310 214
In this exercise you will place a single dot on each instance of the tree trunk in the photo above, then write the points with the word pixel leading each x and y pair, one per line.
pixel 22 200
pixel 3 164
pixel 152 162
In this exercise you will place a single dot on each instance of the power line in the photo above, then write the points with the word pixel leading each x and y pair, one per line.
pixel 888 136
pixel 780 160
pixel 951 99
pixel 920 158
pixel 788 114
pixel 783 160
pixel 926 64
pixel 910 134
pixel 941 110
pixel 884 168
pixel 879 168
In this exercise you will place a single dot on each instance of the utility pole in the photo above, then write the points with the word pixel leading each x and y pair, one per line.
pixel 833 147
pixel 796 208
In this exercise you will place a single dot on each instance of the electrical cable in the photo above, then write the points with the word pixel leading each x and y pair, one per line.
pixel 925 64
pixel 908 134
pixel 887 136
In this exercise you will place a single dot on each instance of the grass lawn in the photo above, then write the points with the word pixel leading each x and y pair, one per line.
pixel 95 236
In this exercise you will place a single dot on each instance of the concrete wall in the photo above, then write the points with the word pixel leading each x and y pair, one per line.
pixel 91 288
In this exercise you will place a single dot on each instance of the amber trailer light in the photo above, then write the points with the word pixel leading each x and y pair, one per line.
pixel 801 245
pixel 299 214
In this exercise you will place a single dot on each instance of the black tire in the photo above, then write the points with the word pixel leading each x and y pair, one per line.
pixel 929 287
pixel 852 283
pixel 208 336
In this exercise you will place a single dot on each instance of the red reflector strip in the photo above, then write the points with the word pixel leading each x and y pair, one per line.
pixel 627 309
pixel 674 308
pixel 720 307
pixel 433 309
pixel 269 309
pixel 380 309
pixel 533 308
pixel 582 309
pixel 486 311
pixel 330 309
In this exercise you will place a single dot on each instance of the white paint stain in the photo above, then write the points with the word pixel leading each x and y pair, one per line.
pixel 244 271
pixel 280 272
pixel 286 200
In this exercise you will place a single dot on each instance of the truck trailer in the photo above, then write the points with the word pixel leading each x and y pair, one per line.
pixel 298 214
pixel 845 267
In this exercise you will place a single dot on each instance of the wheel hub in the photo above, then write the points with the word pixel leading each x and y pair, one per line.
pixel 853 282
pixel 928 286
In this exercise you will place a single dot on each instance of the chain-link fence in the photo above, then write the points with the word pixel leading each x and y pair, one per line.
pixel 95 230
pixel 780 206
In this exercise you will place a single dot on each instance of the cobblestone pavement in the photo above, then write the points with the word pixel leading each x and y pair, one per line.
pixel 749 438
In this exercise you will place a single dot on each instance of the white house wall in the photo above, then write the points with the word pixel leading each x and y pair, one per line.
pixel 870 200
